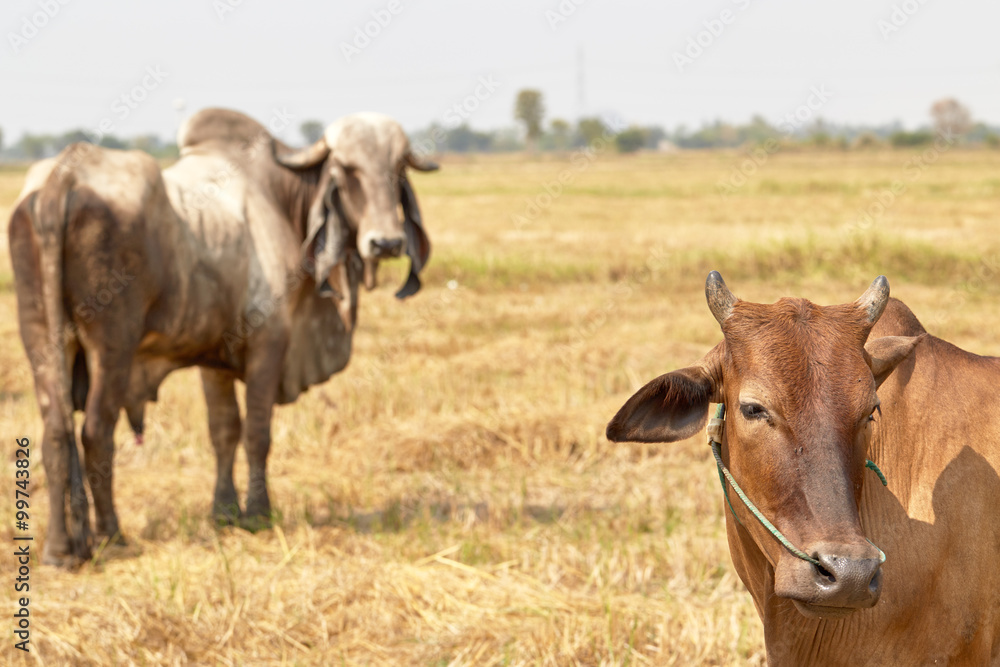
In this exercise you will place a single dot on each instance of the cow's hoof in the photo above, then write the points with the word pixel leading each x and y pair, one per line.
pixel 66 560
pixel 258 510
pixel 108 533
pixel 256 522
pixel 226 515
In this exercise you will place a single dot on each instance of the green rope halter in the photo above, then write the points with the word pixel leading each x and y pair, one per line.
pixel 715 428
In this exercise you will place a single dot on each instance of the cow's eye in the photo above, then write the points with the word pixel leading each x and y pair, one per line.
pixel 878 409
pixel 753 411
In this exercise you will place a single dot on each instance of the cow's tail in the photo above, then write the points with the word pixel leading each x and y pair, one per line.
pixel 50 223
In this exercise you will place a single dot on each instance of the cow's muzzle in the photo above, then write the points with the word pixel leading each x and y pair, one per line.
pixel 381 248
pixel 848 578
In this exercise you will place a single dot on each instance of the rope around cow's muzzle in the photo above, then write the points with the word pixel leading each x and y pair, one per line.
pixel 716 425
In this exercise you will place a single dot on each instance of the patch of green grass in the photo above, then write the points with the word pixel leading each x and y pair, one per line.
pixel 852 257
pixel 847 257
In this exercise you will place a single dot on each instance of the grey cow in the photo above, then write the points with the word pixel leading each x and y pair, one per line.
pixel 243 258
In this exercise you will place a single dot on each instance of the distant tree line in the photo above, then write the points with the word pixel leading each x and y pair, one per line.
pixel 946 116
pixel 558 135
pixel 37 146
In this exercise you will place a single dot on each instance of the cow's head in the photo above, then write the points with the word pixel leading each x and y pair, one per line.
pixel 799 383
pixel 363 160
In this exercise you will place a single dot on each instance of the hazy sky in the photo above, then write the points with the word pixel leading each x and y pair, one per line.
pixel 262 56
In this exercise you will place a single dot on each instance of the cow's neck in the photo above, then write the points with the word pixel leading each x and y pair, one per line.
pixel 790 637
pixel 793 639
pixel 296 191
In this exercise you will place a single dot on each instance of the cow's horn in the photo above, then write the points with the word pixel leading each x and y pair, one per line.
pixel 720 299
pixel 303 158
pixel 419 163
pixel 874 299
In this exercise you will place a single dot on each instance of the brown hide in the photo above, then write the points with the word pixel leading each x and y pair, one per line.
pixel 799 382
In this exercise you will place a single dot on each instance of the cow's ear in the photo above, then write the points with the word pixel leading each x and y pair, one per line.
pixel 673 406
pixel 326 233
pixel 418 246
pixel 886 353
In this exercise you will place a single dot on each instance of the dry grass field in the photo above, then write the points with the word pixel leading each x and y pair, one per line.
pixel 450 499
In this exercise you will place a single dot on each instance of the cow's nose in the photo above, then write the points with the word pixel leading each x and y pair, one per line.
pixel 847 581
pixel 386 247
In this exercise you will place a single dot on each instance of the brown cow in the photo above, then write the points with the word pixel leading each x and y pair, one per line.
pixel 243 258
pixel 799 384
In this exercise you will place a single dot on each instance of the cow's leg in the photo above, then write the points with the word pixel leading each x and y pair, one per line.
pixel 56 464
pixel 224 430
pixel 108 384
pixel 60 459
pixel 68 533
pixel 264 362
